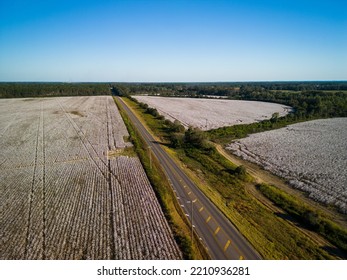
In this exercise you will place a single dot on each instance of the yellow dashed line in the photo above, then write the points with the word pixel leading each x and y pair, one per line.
pixel 202 208
pixel 241 258
pixel 226 245
pixel 184 186
pixel 195 200
pixel 217 230
pixel 189 193
pixel 208 219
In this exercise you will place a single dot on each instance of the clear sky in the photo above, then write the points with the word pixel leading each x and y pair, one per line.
pixel 183 40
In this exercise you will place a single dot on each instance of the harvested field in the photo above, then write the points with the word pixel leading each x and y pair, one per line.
pixel 311 156
pixel 209 114
pixel 63 196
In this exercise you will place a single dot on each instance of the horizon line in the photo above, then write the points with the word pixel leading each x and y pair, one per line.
pixel 176 82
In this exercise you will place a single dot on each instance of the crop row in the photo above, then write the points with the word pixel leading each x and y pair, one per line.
pixel 62 198
pixel 310 156
pixel 207 114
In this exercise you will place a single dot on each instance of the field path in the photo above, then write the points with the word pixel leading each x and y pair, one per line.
pixel 63 197
pixel 262 176
pixel 34 232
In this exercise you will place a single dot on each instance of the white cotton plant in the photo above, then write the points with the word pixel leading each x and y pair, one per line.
pixel 310 155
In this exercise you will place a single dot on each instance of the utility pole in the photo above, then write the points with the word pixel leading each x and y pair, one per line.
pixel 150 157
pixel 191 220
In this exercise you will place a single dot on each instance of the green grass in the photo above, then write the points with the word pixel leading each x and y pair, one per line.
pixel 225 135
pixel 272 235
pixel 156 124
pixel 307 216
pixel 167 199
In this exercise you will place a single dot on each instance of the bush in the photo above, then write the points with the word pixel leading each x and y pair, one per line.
pixel 177 140
pixel 178 127
pixel 306 215
pixel 241 172
pixel 196 138
pixel 153 112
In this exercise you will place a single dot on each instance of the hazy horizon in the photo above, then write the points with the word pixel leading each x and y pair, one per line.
pixel 183 82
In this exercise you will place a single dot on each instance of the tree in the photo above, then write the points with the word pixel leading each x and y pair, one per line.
pixel 241 172
pixel 275 117
pixel 195 137
pixel 177 139
pixel 178 127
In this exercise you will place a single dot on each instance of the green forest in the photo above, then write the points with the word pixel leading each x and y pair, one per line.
pixel 22 90
pixel 192 147
pixel 310 100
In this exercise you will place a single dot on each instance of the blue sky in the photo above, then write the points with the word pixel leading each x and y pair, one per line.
pixel 172 41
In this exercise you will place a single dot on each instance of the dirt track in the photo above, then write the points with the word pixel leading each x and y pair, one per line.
pixel 262 176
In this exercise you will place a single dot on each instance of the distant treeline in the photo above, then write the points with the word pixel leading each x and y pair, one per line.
pixel 309 100
pixel 307 105
pixel 20 90
pixel 225 89
pixel 310 103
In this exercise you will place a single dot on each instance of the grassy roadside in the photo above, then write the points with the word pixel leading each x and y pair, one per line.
pixel 271 234
pixel 306 215
pixel 167 199
pixel 261 175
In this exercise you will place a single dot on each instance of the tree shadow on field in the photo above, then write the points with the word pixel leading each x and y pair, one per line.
pixel 159 142
pixel 287 217
pixel 335 252
pixel 332 250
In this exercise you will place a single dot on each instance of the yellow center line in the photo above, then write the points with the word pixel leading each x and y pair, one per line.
pixel 226 245
pixel 195 200
pixel 177 176
pixel 202 208
pixel 217 230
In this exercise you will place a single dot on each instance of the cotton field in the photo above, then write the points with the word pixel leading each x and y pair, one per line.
pixel 312 156
pixel 208 114
pixel 63 196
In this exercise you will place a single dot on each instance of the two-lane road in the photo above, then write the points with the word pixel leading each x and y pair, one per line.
pixel 218 234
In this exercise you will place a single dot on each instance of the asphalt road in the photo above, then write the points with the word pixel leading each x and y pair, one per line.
pixel 217 233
